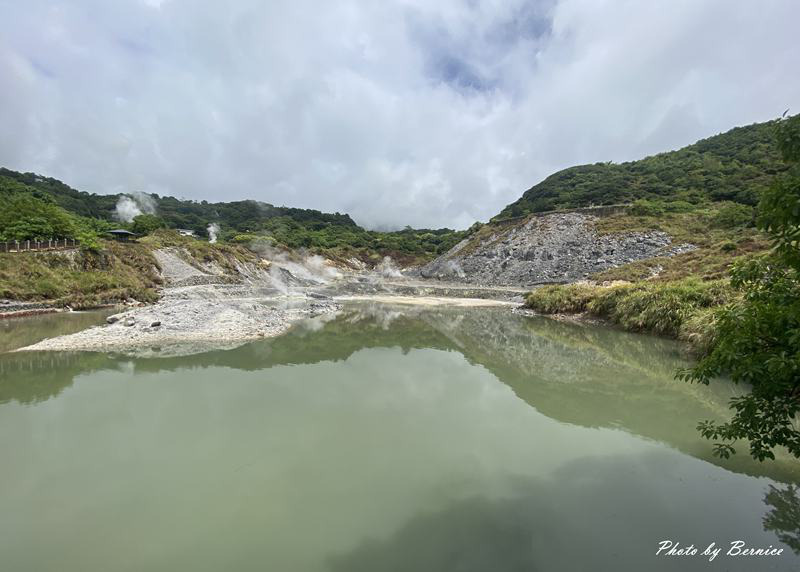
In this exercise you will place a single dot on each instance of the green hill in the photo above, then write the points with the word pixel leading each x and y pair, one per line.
pixel 733 166
pixel 46 199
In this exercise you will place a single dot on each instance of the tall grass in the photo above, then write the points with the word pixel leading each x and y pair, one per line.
pixel 680 309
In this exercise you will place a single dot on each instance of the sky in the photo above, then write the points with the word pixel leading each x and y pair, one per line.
pixel 400 112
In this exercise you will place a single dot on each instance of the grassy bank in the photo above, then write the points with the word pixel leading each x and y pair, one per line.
pixel 81 279
pixel 680 309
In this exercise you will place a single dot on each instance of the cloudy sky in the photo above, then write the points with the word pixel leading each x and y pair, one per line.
pixel 423 112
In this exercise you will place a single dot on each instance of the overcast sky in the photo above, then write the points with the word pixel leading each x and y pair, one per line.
pixel 421 112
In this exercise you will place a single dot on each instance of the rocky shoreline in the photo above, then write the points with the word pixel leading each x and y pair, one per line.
pixel 177 325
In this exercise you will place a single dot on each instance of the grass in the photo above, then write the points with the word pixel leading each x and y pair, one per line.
pixel 682 309
pixel 718 245
pixel 81 279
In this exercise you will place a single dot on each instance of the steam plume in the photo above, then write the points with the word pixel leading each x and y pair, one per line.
pixel 134 204
pixel 213 231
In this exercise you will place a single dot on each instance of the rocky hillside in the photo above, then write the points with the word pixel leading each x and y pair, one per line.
pixel 547 248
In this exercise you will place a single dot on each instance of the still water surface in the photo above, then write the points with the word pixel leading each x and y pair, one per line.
pixel 388 438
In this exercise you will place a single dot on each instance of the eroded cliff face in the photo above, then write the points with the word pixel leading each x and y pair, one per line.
pixel 551 248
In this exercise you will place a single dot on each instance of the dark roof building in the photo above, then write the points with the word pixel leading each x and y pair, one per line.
pixel 121 234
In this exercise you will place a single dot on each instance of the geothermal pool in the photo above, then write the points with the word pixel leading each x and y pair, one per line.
pixel 388 437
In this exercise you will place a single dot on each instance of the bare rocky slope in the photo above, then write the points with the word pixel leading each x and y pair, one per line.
pixel 546 248
pixel 202 306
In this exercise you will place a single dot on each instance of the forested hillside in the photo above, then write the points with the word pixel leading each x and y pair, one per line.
pixel 42 207
pixel 733 166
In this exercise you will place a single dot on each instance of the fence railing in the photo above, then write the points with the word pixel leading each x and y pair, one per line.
pixel 38 245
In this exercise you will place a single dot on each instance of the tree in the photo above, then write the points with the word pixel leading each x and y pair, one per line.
pixel 24 216
pixel 147 223
pixel 758 338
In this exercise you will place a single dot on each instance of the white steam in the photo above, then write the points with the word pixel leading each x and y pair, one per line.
pixel 388 269
pixel 453 268
pixel 286 271
pixel 278 281
pixel 213 231
pixel 134 204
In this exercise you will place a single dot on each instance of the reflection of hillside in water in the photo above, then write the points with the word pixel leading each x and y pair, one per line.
pixel 33 377
pixel 583 375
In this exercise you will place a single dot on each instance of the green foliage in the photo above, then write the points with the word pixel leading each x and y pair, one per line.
pixel 147 223
pixel 283 226
pixel 23 217
pixel 28 215
pixel 733 215
pixel 734 166
pixel 643 207
pixel 788 137
pixel 757 339
pixel 758 343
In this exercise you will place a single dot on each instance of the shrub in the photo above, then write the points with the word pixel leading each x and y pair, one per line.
pixel 679 206
pixel 643 207
pixel 734 215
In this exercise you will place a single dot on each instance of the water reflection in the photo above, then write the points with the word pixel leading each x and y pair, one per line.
pixel 20 332
pixel 380 439
pixel 783 517
pixel 604 519
pixel 584 375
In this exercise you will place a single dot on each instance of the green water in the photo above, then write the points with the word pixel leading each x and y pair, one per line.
pixel 19 332
pixel 387 438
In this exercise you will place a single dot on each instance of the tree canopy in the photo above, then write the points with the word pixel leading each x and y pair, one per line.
pixel 757 340
pixel 734 166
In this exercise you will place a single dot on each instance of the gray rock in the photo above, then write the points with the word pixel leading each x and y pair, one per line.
pixel 555 247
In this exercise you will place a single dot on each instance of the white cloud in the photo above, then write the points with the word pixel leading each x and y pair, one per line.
pixel 404 112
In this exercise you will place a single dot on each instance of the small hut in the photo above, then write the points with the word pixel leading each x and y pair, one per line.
pixel 121 235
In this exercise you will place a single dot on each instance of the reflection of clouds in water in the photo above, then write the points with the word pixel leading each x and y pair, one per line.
pixel 316 323
pixel 384 315
pixel 594 513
